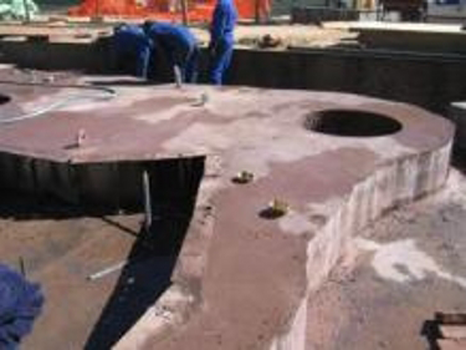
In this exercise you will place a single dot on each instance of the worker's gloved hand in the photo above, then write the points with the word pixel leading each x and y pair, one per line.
pixel 20 303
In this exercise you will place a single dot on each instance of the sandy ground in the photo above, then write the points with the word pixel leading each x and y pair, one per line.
pixel 289 35
pixel 60 249
pixel 246 35
pixel 408 265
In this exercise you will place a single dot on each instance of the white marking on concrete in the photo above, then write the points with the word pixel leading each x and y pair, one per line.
pixel 296 223
pixel 402 261
pixel 275 136
pixel 163 115
pixel 122 99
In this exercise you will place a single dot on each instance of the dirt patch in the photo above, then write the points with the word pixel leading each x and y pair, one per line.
pixel 364 309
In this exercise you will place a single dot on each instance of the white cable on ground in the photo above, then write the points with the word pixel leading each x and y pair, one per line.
pixel 106 93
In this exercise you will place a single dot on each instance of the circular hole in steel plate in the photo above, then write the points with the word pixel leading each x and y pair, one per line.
pixel 358 123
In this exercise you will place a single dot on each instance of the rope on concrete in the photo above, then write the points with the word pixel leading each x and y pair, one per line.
pixel 105 93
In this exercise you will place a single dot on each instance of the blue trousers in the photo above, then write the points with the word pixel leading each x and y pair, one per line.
pixel 187 59
pixel 220 61
pixel 142 62
pixel 190 69
pixel 135 61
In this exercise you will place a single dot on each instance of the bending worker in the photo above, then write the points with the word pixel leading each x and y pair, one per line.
pixel 221 39
pixel 132 49
pixel 179 44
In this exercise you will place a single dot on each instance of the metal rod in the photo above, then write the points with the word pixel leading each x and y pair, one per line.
pixel 147 201
pixel 22 266
pixel 178 76
pixel 108 270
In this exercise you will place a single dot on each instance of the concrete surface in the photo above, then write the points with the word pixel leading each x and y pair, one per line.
pixel 446 38
pixel 407 27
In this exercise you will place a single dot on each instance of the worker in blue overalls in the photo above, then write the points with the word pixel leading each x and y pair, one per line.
pixel 133 49
pixel 221 39
pixel 179 44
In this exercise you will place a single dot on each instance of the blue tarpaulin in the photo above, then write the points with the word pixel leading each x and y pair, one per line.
pixel 20 303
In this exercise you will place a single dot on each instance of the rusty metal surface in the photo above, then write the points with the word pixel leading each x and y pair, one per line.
pixel 140 121
pixel 142 124
pixel 248 270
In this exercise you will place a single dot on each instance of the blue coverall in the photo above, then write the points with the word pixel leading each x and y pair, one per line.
pixel 20 303
pixel 221 39
pixel 179 44
pixel 133 49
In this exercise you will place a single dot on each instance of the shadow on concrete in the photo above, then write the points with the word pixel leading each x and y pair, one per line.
pixel 20 207
pixel 24 207
pixel 144 278
pixel 147 270
pixel 146 274
pixel 122 82
pixel 458 160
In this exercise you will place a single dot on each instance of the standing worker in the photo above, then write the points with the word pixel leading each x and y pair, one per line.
pixel 221 39
pixel 179 44
pixel 132 49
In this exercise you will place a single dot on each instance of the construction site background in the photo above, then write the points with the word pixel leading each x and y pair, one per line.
pixel 172 10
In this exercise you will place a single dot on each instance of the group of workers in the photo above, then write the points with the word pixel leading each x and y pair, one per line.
pixel 136 45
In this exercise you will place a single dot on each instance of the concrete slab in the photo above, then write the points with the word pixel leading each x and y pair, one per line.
pixel 407 27
pixel 412 36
